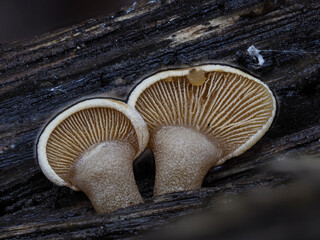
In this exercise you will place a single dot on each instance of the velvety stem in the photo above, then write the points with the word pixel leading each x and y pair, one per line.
pixel 183 156
pixel 105 174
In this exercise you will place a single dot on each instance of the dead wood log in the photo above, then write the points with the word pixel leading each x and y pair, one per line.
pixel 107 56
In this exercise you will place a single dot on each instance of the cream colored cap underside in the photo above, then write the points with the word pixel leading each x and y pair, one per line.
pixel 83 126
pixel 231 107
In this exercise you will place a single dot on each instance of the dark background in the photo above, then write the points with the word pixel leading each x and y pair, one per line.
pixel 24 19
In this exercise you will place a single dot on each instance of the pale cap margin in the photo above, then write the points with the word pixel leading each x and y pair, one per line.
pixel 135 118
pixel 144 84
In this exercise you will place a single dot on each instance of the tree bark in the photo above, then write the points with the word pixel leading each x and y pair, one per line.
pixel 108 56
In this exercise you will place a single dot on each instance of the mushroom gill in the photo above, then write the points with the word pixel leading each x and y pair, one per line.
pixel 84 130
pixel 196 124
pixel 91 147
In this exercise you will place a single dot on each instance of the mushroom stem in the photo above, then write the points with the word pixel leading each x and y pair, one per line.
pixel 183 156
pixel 105 174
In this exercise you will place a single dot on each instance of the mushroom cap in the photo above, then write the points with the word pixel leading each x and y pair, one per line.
pixel 82 126
pixel 232 108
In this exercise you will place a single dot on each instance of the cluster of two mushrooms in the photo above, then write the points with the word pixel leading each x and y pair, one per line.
pixel 197 118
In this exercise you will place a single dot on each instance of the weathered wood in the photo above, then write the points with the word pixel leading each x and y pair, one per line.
pixel 107 56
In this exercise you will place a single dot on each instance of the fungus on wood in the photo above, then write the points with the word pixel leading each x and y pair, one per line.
pixel 91 147
pixel 40 75
pixel 200 117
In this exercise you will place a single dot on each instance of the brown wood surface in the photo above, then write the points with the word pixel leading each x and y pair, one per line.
pixel 107 56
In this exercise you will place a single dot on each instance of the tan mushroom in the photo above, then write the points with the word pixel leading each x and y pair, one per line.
pixel 91 147
pixel 198 118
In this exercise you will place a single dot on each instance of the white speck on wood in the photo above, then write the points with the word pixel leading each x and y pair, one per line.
pixel 255 54
pixel 136 12
pixel 153 1
pixel 81 79
pixel 130 9
pixel 57 89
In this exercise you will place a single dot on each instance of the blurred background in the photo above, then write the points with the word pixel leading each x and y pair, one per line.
pixel 24 19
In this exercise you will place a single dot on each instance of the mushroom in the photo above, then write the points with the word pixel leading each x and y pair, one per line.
pixel 198 118
pixel 91 147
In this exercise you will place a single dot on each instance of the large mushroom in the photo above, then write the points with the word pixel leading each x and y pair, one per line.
pixel 91 147
pixel 198 118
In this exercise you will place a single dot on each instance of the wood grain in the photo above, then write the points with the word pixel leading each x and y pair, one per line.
pixel 107 56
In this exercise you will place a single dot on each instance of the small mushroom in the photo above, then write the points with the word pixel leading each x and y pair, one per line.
pixel 198 118
pixel 91 147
